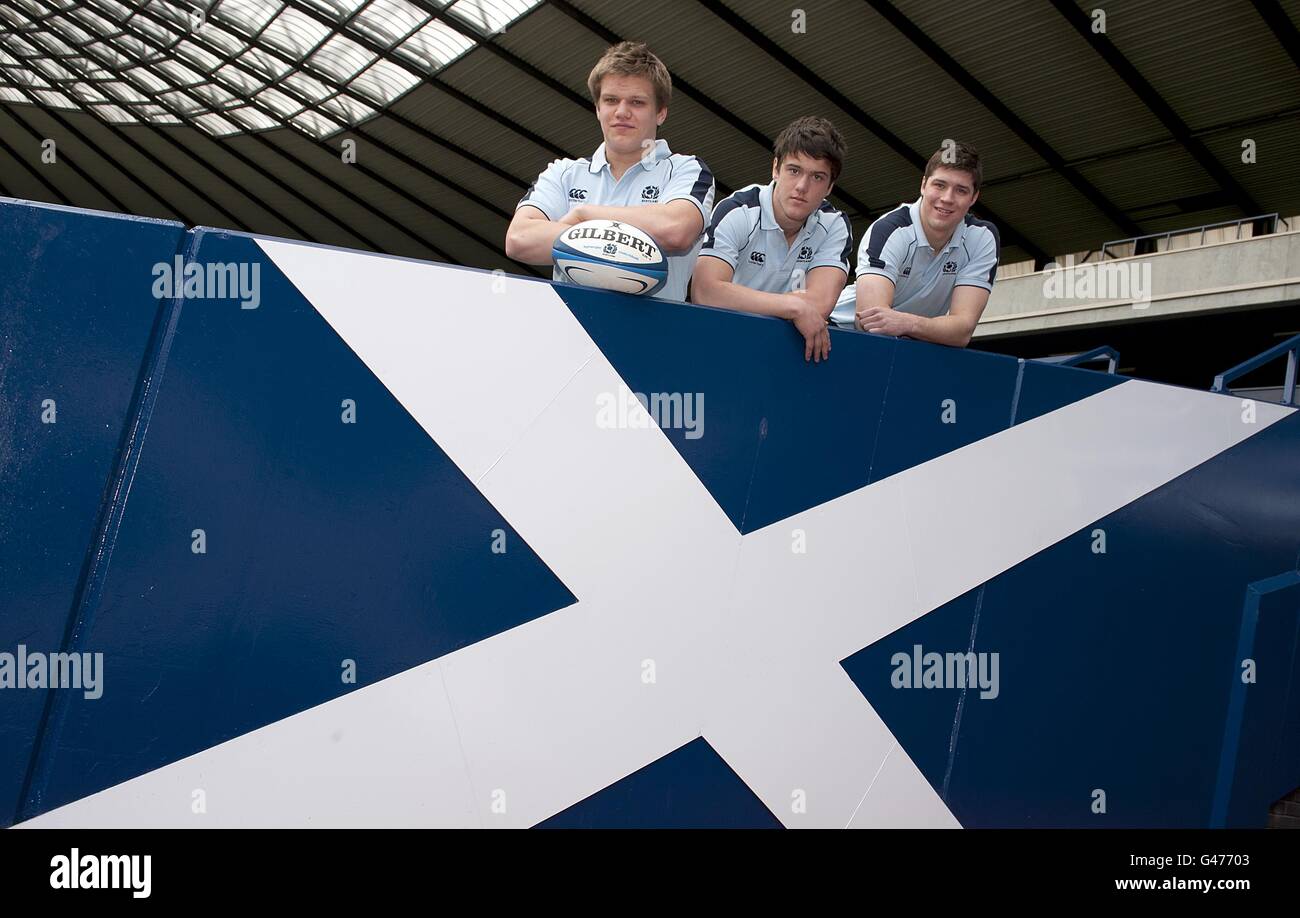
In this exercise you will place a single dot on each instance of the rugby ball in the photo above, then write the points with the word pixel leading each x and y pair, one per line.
pixel 612 256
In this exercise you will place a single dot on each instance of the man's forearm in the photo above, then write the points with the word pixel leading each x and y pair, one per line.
pixel 675 232
pixel 531 241
pixel 954 331
pixel 730 295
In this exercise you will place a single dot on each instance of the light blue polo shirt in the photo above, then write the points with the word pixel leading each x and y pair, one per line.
pixel 657 179
pixel 744 233
pixel 895 246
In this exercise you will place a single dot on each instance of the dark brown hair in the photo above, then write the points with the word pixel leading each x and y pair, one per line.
pixel 957 155
pixel 812 136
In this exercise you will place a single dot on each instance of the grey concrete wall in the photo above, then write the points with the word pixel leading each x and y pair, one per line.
pixel 1262 271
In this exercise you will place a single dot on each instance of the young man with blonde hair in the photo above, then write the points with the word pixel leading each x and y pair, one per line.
pixel 632 177
pixel 781 249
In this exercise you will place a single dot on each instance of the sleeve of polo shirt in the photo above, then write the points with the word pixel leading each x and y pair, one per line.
pixel 884 249
pixel 727 232
pixel 548 193
pixel 691 181
pixel 982 267
pixel 836 248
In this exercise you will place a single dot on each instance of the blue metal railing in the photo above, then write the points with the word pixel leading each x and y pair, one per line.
pixel 1290 347
pixel 1109 354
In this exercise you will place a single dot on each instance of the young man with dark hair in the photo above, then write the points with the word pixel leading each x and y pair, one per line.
pixel 780 249
pixel 632 176
pixel 925 269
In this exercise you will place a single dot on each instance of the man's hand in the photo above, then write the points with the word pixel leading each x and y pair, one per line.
pixel 575 216
pixel 885 320
pixel 809 322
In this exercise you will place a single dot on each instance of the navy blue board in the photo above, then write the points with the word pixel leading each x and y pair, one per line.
pixel 329 542
pixel 76 315
pixel 325 542
pixel 936 404
pixel 1261 744
pixel 922 712
pixel 822 423
pixel 1045 388
pixel 690 788
pixel 1114 668
pixel 780 435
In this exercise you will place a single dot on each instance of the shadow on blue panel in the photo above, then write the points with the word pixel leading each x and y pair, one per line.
pixel 1045 388
pixel 938 403
pixel 327 544
pixel 822 425
pixel 1261 745
pixel 690 788
pixel 1114 666
pixel 76 319
pixel 780 435
pixel 922 719
pixel 661 347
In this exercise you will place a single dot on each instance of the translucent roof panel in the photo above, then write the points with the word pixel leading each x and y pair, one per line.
pixel 490 15
pixel 389 21
pixel 235 66
pixel 434 46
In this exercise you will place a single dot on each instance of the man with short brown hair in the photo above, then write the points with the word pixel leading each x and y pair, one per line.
pixel 632 177
pixel 781 249
pixel 925 269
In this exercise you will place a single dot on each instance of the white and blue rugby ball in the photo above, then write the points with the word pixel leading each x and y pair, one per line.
pixel 612 256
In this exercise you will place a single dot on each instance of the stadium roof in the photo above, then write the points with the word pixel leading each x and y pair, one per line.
pixel 233 113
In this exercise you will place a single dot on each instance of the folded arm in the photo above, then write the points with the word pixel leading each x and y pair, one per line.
pixel 808 309
pixel 676 226
pixel 954 329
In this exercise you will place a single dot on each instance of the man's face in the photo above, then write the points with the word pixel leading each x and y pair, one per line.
pixel 802 183
pixel 946 197
pixel 627 114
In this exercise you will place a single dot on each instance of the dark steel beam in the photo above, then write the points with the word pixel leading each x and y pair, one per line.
pixel 931 48
pixel 1288 36
pixel 72 164
pixel 1100 43
pixel 1156 144
pixel 22 161
pixel 296 161
pixel 260 170
pixel 90 145
pixel 1010 235
pixel 217 52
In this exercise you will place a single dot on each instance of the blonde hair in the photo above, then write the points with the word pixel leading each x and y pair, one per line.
pixel 632 58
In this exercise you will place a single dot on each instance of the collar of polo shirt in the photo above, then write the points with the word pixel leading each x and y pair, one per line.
pixel 921 240
pixel 598 160
pixel 767 216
